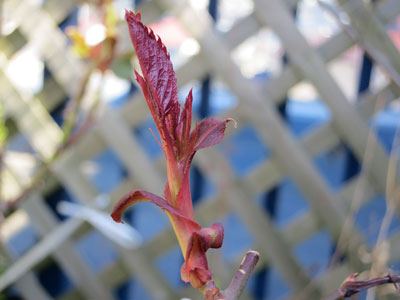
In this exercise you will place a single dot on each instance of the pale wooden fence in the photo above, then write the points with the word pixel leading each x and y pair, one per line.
pixel 289 158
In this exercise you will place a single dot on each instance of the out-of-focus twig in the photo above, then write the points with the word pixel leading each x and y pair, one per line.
pixel 391 186
pixel 392 202
pixel 3 142
pixel 101 58
pixel 71 113
pixel 392 196
pixel 359 190
pixel 69 139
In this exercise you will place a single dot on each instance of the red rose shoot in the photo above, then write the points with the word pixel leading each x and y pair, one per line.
pixel 179 144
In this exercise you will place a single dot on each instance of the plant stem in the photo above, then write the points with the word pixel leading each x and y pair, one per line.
pixel 241 277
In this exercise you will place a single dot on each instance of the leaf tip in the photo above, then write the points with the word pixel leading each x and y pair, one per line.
pixel 138 76
pixel 116 215
pixel 121 205
pixel 130 16
pixel 233 121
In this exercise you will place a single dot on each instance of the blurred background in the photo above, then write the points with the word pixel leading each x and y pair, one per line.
pixel 309 177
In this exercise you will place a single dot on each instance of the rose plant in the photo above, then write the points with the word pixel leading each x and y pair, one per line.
pixel 179 143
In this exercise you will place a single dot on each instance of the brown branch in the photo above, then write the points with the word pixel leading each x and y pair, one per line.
pixel 73 108
pixel 71 132
pixel 69 139
pixel 241 277
pixel 352 286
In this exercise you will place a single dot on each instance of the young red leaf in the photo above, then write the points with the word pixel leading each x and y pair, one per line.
pixel 183 129
pixel 155 64
pixel 210 132
pixel 160 90
pixel 183 225
pixel 140 196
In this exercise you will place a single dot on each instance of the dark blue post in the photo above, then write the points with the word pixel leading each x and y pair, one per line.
pixel 365 74
pixel 136 3
pixel 352 165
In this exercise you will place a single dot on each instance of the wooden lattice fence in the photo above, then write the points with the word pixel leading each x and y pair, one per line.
pixel 289 157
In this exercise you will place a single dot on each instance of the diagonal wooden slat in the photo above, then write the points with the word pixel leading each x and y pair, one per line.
pixel 33 120
pixel 371 33
pixel 40 251
pixel 66 255
pixel 276 88
pixel 128 149
pixel 260 225
pixel 346 120
pixel 30 288
pixel 42 32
